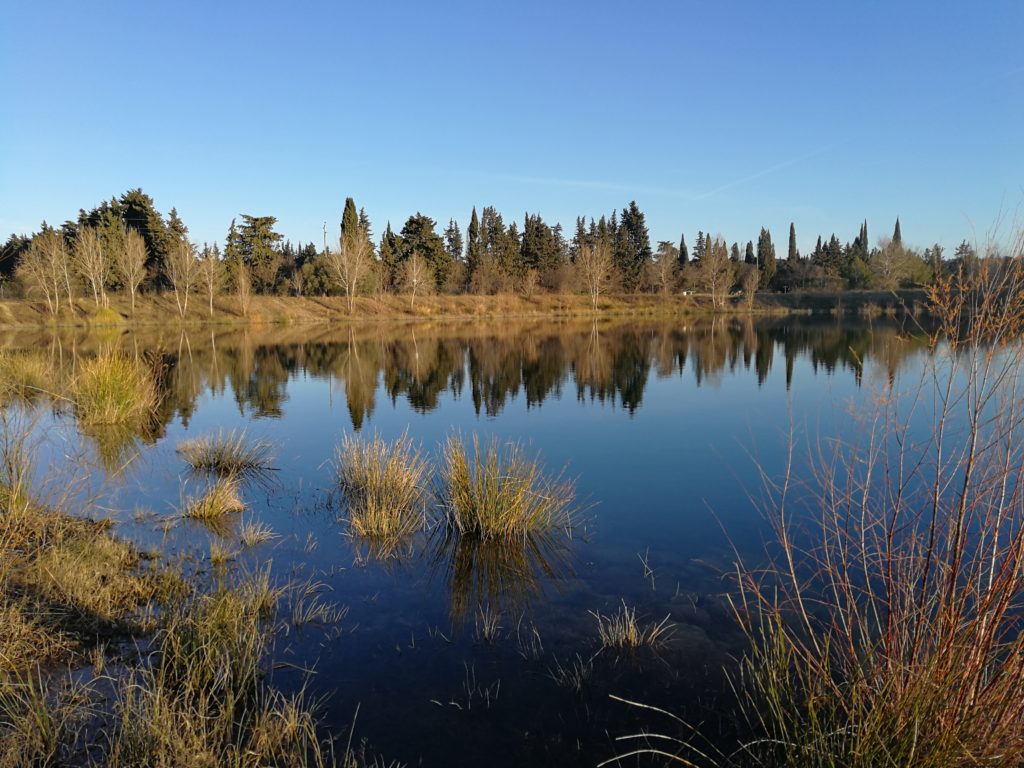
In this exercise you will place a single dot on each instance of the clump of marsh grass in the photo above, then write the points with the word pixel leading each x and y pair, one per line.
pixel 621 631
pixel 499 492
pixel 222 498
pixel 384 485
pixel 252 533
pixel 113 389
pixel 226 453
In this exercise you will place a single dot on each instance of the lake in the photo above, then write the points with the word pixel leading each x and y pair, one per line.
pixel 666 428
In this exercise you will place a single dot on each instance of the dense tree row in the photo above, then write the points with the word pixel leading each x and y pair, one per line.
pixel 126 244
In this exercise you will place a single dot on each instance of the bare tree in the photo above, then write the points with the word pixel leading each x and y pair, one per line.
pixel 714 271
pixel 749 279
pixel 130 262
pixel 91 263
pixel 350 263
pixel 663 270
pixel 594 265
pixel 183 272
pixel 415 277
pixel 42 268
pixel 211 274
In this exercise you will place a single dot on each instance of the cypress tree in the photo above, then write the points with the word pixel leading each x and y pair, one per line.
pixel 766 255
pixel 474 246
pixel 684 252
pixel 897 236
pixel 792 256
pixel 748 256
pixel 734 252
pixel 349 219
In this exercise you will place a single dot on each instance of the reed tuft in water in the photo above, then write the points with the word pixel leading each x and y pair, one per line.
pixel 226 453
pixel 384 485
pixel 221 499
pixel 621 631
pixel 497 491
pixel 113 389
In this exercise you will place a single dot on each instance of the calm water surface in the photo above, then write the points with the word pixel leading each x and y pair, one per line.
pixel 664 426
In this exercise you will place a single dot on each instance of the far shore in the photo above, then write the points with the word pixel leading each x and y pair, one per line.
pixel 161 308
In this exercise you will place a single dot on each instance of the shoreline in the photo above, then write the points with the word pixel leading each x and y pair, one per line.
pixel 161 309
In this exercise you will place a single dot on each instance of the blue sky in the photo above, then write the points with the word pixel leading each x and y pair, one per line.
pixel 723 117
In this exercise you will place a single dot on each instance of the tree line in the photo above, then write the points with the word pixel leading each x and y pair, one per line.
pixel 125 244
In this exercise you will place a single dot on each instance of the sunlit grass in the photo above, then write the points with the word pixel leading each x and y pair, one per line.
pixel 222 498
pixel 113 389
pixel 384 485
pixel 621 631
pixel 497 491
pixel 252 533
pixel 226 453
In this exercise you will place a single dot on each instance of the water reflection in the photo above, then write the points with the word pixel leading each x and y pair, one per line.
pixel 502 574
pixel 605 362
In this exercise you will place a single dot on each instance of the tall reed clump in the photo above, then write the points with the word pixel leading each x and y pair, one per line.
pixel 384 485
pixel 113 389
pixel 886 628
pixel 497 491
pixel 226 453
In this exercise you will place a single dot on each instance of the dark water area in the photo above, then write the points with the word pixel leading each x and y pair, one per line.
pixel 666 428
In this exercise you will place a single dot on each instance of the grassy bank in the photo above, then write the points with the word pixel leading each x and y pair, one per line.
pixel 155 309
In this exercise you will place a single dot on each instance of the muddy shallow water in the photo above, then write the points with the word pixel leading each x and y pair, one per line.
pixel 665 427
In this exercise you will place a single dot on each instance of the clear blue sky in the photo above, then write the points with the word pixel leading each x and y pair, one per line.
pixel 715 116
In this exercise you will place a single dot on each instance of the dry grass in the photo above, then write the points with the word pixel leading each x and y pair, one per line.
pixel 25 375
pixel 498 492
pixel 384 485
pixel 252 533
pixel 621 631
pixel 113 389
pixel 226 453
pixel 222 498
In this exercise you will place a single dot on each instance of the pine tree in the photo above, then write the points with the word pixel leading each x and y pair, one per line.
pixel 453 240
pixel 793 254
pixel 419 236
pixel 698 249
